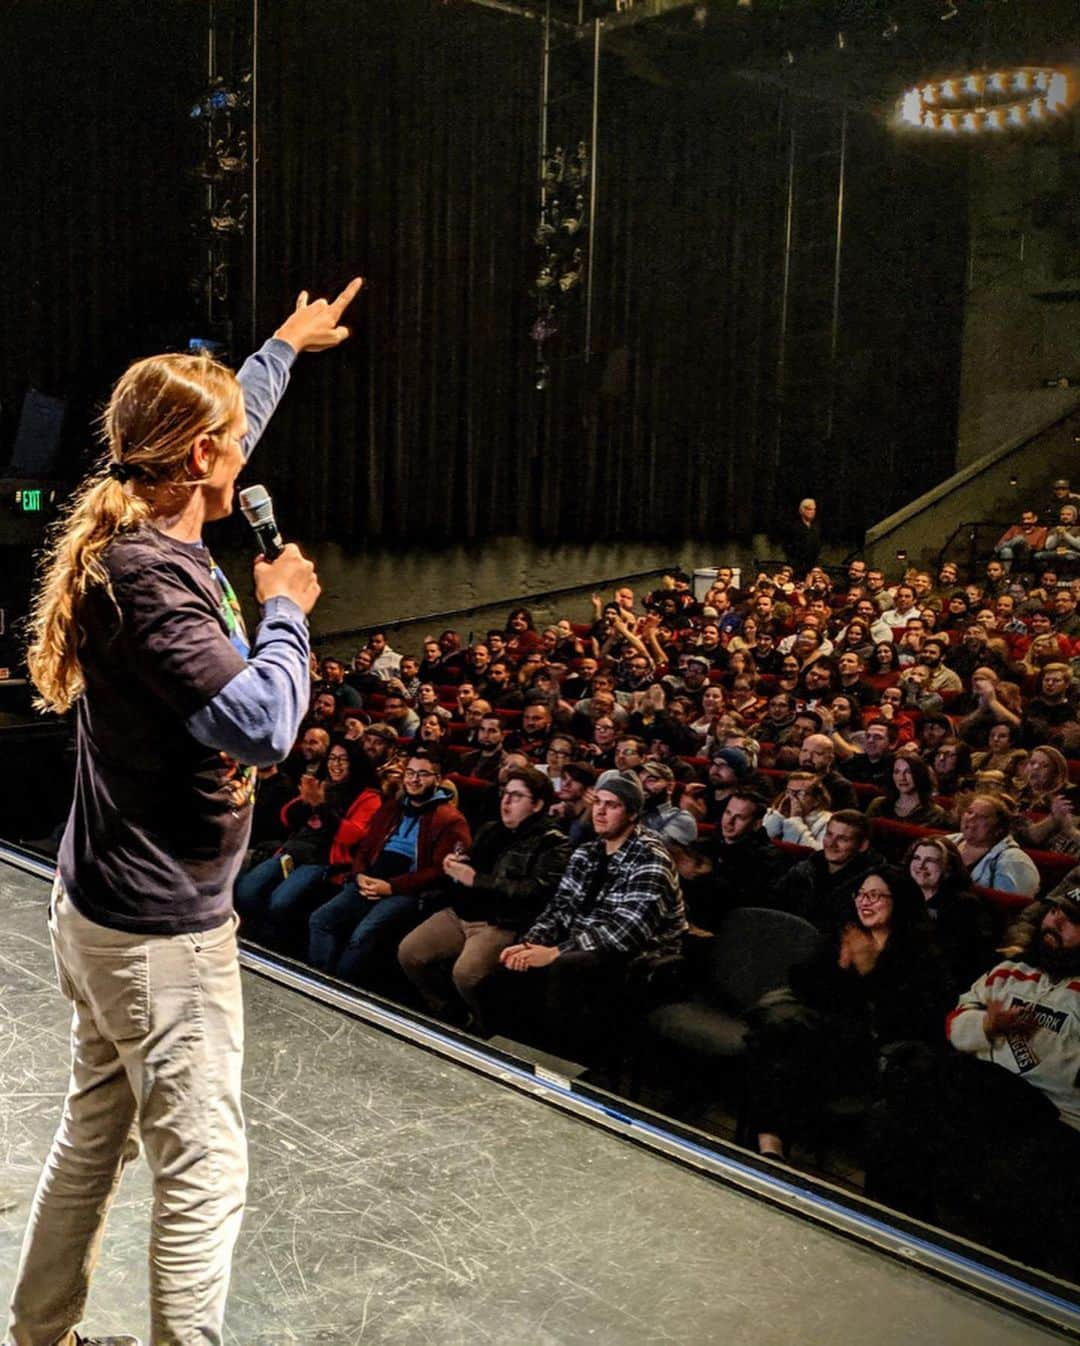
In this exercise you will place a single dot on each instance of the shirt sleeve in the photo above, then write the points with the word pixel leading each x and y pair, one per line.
pixel 255 717
pixel 964 1025
pixel 263 377
pixel 554 921
pixel 179 646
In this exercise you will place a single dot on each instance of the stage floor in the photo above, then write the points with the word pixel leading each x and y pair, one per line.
pixel 399 1198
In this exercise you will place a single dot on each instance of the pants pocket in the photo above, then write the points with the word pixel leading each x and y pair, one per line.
pixel 118 992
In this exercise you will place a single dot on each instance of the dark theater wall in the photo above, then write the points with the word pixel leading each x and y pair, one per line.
pixel 95 211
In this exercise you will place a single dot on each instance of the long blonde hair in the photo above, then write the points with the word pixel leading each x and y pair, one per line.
pixel 157 409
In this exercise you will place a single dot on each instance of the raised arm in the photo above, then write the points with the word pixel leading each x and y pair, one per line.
pixel 264 376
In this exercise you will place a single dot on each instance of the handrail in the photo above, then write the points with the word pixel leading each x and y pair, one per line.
pixel 971 524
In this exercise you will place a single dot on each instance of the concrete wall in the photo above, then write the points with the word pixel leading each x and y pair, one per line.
pixel 1021 328
pixel 997 486
pixel 479 585
pixel 396 588
pixel 1023 218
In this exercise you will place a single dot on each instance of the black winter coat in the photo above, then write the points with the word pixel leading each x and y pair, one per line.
pixel 517 873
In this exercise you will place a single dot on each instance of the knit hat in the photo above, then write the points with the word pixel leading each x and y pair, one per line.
pixel 658 769
pixel 735 758
pixel 625 786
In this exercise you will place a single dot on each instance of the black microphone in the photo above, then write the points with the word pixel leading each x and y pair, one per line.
pixel 258 509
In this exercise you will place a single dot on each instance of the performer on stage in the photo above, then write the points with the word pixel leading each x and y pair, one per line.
pixel 138 630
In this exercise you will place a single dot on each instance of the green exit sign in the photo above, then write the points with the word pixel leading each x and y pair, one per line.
pixel 31 501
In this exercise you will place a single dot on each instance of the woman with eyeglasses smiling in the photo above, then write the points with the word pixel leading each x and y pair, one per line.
pixel 879 981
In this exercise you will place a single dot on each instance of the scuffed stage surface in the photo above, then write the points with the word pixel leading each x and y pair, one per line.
pixel 396 1198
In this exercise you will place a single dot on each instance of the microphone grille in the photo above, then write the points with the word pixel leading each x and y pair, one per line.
pixel 256 505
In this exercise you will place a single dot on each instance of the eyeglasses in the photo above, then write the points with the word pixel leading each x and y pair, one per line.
pixel 412 774
pixel 871 896
pixel 339 757
pixel 559 752
pixel 516 794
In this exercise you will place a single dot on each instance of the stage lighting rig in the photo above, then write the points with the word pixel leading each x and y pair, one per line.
pixel 222 98
pixel 228 158
pixel 995 100
pixel 224 221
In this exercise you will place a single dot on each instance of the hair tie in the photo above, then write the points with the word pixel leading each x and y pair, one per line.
pixel 123 472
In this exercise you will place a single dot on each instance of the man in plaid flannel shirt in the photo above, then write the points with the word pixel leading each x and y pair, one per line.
pixel 618 902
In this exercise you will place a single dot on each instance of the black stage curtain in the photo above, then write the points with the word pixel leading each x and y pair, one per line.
pixel 96 209
pixel 399 139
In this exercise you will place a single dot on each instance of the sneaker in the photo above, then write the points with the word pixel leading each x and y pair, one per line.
pixel 106 1341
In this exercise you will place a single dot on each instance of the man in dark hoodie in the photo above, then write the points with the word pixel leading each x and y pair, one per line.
pixel 820 888
pixel 400 857
pixel 735 867
pixel 500 887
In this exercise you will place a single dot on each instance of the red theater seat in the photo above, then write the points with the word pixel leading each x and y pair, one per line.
pixel 892 838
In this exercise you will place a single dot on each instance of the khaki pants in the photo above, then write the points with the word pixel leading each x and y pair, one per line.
pixel 472 946
pixel 156 1055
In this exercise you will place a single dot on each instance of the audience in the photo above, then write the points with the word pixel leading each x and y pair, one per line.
pixel 615 772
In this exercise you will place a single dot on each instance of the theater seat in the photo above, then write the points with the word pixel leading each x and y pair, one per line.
pixel 472 791
pixel 1005 906
pixel 892 838
pixel 1052 867
pixel 751 953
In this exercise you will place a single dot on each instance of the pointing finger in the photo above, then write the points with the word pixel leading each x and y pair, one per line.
pixel 345 298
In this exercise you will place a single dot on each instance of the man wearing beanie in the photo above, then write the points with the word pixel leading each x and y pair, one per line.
pixel 729 770
pixel 618 904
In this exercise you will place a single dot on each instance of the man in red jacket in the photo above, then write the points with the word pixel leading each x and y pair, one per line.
pixel 400 857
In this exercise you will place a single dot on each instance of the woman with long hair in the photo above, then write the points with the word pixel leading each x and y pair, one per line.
pixel 909 795
pixel 962 923
pixel 270 897
pixel 137 630
pixel 522 637
pixel 800 812
pixel 1003 753
pixel 848 735
pixel 884 667
pixel 740 664
pixel 879 980
pixel 856 638
pixel 745 638
pixel 713 701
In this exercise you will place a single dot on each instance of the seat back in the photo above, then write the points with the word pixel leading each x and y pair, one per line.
pixel 752 953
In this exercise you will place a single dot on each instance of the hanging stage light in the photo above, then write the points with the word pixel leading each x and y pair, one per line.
pixel 988 101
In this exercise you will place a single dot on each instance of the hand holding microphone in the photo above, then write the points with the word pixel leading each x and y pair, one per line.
pixel 281 570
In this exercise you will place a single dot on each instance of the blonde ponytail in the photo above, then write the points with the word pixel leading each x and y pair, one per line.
pixel 156 411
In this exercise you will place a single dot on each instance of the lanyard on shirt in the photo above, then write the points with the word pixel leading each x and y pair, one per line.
pixel 229 609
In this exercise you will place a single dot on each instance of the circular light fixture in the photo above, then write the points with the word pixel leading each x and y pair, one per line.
pixel 988 100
